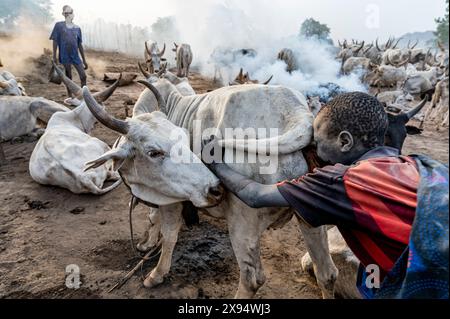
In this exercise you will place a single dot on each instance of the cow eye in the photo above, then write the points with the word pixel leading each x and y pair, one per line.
pixel 155 154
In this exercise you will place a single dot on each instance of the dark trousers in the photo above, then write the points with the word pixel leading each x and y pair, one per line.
pixel 81 73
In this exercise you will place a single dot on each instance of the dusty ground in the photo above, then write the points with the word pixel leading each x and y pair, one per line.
pixel 45 229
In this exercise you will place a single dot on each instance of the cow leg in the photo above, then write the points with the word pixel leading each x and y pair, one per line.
pixel 316 240
pixel 171 222
pixel 152 235
pixel 245 231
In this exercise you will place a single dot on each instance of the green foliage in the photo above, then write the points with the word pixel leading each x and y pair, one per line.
pixel 442 28
pixel 314 29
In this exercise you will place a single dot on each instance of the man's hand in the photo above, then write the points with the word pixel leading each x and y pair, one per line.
pixel 86 66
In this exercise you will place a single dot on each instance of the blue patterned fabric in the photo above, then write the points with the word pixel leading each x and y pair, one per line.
pixel 422 270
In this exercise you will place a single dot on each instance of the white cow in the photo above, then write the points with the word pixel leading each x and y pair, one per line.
pixel 288 57
pixel 182 84
pixel 389 76
pixel 59 157
pixel 150 169
pixel 153 57
pixel 9 85
pixel 20 114
pixel 184 59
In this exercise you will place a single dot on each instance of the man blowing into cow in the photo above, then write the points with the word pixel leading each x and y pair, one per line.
pixel 392 210
pixel 68 40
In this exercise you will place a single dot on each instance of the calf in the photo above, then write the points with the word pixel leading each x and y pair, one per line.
pixel 184 59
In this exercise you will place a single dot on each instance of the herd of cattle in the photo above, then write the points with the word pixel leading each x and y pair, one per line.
pixel 67 156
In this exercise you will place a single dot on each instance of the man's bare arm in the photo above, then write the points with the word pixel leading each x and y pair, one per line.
pixel 55 51
pixel 253 194
pixel 80 47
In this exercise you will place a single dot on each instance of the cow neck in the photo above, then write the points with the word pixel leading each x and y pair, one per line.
pixel 82 110
pixel 181 110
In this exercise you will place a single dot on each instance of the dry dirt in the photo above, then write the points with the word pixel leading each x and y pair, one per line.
pixel 44 229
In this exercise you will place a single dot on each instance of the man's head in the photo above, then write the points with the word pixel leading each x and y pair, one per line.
pixel 349 126
pixel 68 13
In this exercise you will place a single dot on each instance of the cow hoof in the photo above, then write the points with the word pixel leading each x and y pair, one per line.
pixel 151 282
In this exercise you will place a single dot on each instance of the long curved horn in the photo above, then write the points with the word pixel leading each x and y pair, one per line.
pixel 101 97
pixel 74 88
pixel 414 46
pixel 377 45
pixel 147 49
pixel 360 48
pixel 396 44
pixel 417 109
pixel 163 70
pixel 102 116
pixel 268 81
pixel 339 42
pixel 161 53
pixel 368 49
pixel 159 98
pixel 144 73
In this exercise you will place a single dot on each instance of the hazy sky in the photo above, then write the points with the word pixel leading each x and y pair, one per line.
pixel 361 19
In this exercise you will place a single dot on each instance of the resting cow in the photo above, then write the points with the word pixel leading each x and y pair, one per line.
pixel 59 157
pixel 20 114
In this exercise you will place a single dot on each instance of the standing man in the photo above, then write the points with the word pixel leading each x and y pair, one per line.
pixel 67 39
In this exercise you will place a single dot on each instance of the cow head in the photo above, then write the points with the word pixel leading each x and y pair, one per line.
pixel 147 157
pixel 154 57
pixel 10 87
pixel 398 129
pixel 242 78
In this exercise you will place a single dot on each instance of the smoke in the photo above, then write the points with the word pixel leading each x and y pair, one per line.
pixel 226 25
pixel 26 42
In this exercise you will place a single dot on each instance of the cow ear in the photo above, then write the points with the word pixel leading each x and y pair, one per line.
pixel 412 130
pixel 118 155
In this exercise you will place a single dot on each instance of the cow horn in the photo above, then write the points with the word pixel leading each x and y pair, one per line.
pixel 101 97
pixel 417 109
pixel 163 70
pixel 368 49
pixel 396 44
pixel 241 73
pixel 102 116
pixel 409 44
pixel 71 85
pixel 441 46
pixel 147 49
pixel 159 98
pixel 360 48
pixel 161 53
pixel 268 81
pixel 406 61
pixel 339 42
pixel 144 73
pixel 377 45
pixel 414 46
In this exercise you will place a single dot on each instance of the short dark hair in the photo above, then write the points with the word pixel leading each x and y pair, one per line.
pixel 358 113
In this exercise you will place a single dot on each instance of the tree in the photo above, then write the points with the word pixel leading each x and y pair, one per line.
pixel 442 28
pixel 39 11
pixel 314 29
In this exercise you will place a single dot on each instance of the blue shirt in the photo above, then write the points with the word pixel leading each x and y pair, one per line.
pixel 68 40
